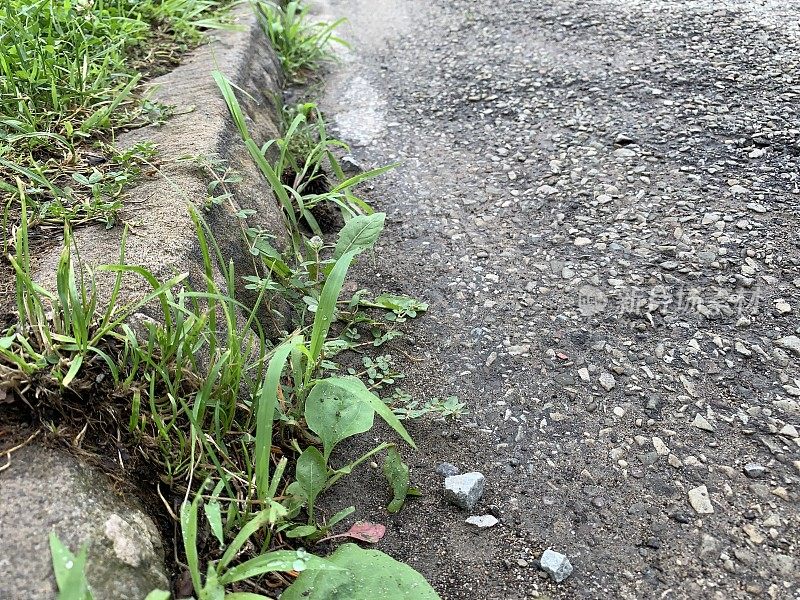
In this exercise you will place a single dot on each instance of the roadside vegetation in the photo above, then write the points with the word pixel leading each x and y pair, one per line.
pixel 71 77
pixel 242 427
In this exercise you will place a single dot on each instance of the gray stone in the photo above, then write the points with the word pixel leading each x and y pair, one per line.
pixel 445 469
pixel 607 381
pixel 483 521
pixel 710 549
pixel 702 423
pixel 48 490
pixel 464 490
pixel 700 500
pixel 556 565
pixel 790 342
pixel 755 470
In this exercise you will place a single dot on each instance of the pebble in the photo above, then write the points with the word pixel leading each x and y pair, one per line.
pixel 607 381
pixel 783 307
pixel 660 446
pixel 755 470
pixel 789 431
pixel 556 565
pixel 583 373
pixel 700 500
pixel 790 342
pixel 710 548
pixel 445 469
pixel 464 490
pixel 582 241
pixel 483 521
pixel 701 423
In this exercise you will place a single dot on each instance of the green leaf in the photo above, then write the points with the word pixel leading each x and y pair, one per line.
pixel 342 514
pixel 311 473
pixel 157 595
pixel 327 308
pixel 335 410
pixel 387 415
pixel 369 574
pixel 359 233
pixel 396 472
pixel 214 516
pixel 302 531
pixel 69 571
pixel 280 560
pixel 189 535
pixel 265 413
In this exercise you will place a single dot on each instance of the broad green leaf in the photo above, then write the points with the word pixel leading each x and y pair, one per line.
pixel 280 560
pixel 158 595
pixel 369 574
pixel 396 472
pixel 335 410
pixel 359 233
pixel 357 387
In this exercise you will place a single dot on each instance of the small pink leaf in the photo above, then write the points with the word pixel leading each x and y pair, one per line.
pixel 366 532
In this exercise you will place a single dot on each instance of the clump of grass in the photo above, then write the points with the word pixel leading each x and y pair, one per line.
pixel 301 45
pixel 69 76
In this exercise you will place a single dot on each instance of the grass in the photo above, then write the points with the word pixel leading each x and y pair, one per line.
pixel 302 46
pixel 70 75
pixel 242 428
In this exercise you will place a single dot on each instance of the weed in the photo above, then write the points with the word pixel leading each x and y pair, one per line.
pixel 301 46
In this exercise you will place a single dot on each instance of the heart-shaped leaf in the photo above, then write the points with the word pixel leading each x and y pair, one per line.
pixel 335 410
pixel 368 574
pixel 359 233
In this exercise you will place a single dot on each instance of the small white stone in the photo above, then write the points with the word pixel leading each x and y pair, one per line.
pixel 790 342
pixel 483 521
pixel 700 500
pixel 556 565
pixel 660 446
pixel 789 431
pixel 701 423
pixel 583 373
pixel 619 411
pixel 582 241
pixel 607 381
pixel 783 307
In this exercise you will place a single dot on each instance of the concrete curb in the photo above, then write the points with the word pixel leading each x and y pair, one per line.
pixel 162 237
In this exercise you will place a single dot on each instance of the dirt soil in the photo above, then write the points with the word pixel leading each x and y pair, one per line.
pixel 599 198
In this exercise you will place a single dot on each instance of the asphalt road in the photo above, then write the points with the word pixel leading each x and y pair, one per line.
pixel 599 198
